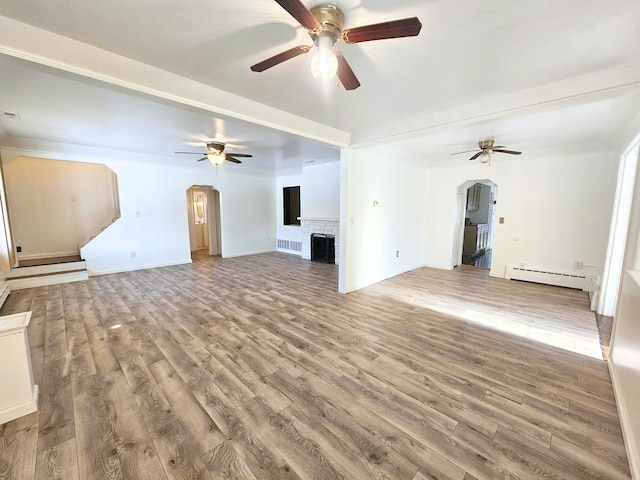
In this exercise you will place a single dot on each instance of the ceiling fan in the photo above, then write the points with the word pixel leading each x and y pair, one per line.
pixel 486 149
pixel 215 154
pixel 324 23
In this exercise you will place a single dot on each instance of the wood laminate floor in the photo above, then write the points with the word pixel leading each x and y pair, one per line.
pixel 256 368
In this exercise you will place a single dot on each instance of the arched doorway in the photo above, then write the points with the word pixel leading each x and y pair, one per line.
pixel 203 205
pixel 475 225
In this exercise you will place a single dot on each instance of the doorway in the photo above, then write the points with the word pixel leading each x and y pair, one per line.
pixel 203 205
pixel 475 238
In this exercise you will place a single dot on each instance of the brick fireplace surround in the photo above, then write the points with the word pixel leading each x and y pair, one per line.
pixel 328 226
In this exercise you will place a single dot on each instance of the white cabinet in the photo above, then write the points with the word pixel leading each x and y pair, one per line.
pixel 18 394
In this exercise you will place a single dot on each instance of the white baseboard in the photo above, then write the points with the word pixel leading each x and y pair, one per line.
pixel 438 267
pixel 630 443
pixel 243 254
pixel 93 273
pixel 290 252
pixel 364 285
pixel 22 409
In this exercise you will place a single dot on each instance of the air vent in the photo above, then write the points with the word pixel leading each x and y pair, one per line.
pixel 290 245
pixel 12 115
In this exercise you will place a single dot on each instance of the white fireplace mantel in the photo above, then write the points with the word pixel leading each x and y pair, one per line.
pixel 319 219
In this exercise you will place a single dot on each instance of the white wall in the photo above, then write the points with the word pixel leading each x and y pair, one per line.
pixel 287 232
pixel 160 235
pixel 375 233
pixel 55 205
pixel 320 192
pixel 556 209
pixel 319 197
pixel 624 355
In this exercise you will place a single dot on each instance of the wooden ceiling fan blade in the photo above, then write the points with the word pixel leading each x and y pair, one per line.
pixel 407 27
pixel 511 152
pixel 279 58
pixel 231 159
pixel 241 155
pixel 301 13
pixel 190 153
pixel 345 73
pixel 476 155
pixel 203 158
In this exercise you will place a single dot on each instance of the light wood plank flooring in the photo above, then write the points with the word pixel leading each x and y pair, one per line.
pixel 256 368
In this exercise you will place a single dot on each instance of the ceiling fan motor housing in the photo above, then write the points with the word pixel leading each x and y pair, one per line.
pixel 331 21
pixel 215 147
pixel 486 144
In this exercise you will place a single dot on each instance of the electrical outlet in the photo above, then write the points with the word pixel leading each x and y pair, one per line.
pixel 579 264
pixel 18 249
pixel 133 254
pixel 397 253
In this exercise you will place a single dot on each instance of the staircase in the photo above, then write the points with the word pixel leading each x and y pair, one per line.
pixel 50 274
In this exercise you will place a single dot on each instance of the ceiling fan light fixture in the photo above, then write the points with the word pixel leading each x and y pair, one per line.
pixel 215 148
pixel 324 64
pixel 485 157
pixel 215 159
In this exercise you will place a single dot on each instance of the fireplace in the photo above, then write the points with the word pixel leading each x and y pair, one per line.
pixel 323 248
pixel 321 225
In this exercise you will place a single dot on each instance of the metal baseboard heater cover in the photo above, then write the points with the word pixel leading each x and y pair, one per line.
pixel 581 281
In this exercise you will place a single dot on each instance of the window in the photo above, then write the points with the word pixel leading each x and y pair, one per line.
pixel 291 205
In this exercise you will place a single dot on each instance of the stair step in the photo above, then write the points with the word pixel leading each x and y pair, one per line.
pixel 44 279
pixel 54 268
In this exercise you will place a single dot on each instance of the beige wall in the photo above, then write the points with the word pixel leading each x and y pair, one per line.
pixel 54 205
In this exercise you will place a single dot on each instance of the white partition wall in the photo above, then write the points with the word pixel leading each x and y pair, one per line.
pixel 18 394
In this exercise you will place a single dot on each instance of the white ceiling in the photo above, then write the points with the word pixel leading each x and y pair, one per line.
pixel 534 75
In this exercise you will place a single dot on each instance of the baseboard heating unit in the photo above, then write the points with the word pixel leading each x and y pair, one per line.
pixel 582 281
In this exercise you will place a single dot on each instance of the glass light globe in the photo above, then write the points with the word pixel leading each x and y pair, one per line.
pixel 485 158
pixel 324 64
pixel 215 159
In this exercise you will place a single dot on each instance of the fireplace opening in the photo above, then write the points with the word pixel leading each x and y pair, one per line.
pixel 323 248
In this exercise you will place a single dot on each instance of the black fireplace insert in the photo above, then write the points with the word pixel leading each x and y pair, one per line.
pixel 323 248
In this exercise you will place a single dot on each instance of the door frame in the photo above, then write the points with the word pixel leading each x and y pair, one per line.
pixel 214 218
pixel 461 210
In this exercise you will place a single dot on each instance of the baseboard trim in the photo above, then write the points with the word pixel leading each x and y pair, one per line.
pixel 244 254
pixel 95 273
pixel 438 267
pixel 22 409
pixel 633 449
pixel 290 252
pixel 364 285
